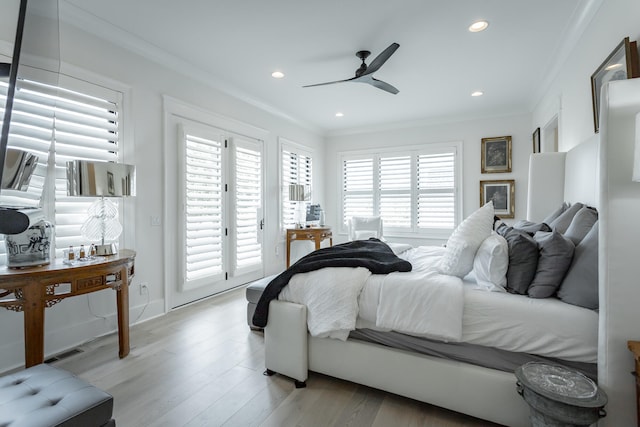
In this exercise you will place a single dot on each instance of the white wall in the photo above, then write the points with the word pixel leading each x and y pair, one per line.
pixel 570 91
pixel 469 132
pixel 84 56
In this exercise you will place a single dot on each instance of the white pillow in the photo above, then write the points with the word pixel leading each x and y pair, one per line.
pixel 491 263
pixel 465 241
pixel 365 234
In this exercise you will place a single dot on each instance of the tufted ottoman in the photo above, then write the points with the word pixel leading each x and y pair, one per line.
pixel 253 293
pixel 44 396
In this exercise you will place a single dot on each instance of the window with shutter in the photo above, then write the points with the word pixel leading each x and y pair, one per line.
pixel 203 194
pixel 413 189
pixel 296 169
pixel 248 202
pixel 86 127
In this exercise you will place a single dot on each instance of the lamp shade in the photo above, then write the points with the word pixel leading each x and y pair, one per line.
pixel 104 179
pixel 636 155
pixel 296 192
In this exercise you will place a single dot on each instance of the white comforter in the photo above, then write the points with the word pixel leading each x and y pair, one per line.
pixel 422 302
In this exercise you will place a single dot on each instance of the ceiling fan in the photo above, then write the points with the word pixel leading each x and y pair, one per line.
pixel 364 74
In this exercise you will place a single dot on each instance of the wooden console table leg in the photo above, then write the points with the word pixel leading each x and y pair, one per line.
pixel 122 299
pixel 33 324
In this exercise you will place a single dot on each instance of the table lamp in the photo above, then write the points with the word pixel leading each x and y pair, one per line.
pixel 104 180
pixel 297 194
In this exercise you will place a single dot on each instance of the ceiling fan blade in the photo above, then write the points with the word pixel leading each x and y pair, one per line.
pixel 383 85
pixel 330 83
pixel 381 59
pixel 5 68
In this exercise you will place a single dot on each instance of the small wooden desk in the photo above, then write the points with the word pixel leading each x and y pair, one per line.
pixel 634 346
pixel 317 234
pixel 36 288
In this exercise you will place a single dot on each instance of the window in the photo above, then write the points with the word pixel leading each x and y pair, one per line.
pixel 86 126
pixel 413 190
pixel 296 169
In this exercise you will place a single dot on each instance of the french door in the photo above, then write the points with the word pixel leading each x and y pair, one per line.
pixel 220 218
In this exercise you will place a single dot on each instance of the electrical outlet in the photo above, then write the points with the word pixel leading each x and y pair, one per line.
pixel 144 288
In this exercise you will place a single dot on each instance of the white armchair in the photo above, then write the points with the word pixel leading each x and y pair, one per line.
pixel 363 227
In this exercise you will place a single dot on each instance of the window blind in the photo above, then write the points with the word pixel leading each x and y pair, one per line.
pixel 248 200
pixel 82 126
pixel 413 191
pixel 203 204
pixel 296 169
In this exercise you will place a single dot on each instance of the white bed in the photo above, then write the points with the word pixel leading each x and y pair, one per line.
pixel 481 392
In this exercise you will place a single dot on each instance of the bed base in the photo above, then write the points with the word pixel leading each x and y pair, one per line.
pixel 481 392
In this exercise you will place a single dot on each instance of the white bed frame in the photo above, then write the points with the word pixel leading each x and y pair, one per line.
pixel 480 392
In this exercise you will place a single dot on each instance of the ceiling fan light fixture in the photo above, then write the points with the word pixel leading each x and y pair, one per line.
pixel 478 26
pixel 477 93
pixel 339 114
pixel 277 75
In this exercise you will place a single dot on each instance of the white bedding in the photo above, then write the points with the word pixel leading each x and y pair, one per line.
pixel 546 327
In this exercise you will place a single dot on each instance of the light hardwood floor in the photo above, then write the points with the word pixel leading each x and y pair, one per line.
pixel 201 365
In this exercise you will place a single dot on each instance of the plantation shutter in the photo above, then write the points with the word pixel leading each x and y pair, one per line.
pixel 248 205
pixel 203 194
pixel 395 191
pixel 85 127
pixel 357 188
pixel 296 169
pixel 414 191
pixel 436 190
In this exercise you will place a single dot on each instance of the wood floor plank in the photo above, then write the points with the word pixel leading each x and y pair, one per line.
pixel 201 365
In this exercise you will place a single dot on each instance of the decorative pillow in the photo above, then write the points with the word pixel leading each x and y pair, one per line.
pixel 580 286
pixel 491 263
pixel 465 241
pixel 523 259
pixel 365 234
pixel 531 227
pixel 555 214
pixel 556 253
pixel 562 222
pixel 581 224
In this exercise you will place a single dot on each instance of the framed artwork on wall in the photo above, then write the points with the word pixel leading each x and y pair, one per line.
pixel 621 64
pixel 496 155
pixel 502 194
pixel 536 140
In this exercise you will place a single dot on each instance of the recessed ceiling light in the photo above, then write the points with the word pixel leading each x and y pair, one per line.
pixel 613 66
pixel 478 26
pixel 277 74
pixel 477 93
pixel 339 114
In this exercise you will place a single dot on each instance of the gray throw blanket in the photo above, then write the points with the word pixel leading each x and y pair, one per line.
pixel 372 254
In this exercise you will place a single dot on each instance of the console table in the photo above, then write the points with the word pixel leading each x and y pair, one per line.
pixel 36 288
pixel 317 234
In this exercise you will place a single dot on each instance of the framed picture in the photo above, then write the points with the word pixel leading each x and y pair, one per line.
pixel 621 64
pixel 496 155
pixel 502 194
pixel 536 141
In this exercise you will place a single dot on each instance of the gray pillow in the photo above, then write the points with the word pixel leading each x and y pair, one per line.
pixel 555 214
pixel 581 224
pixel 531 227
pixel 523 258
pixel 556 253
pixel 562 222
pixel 580 286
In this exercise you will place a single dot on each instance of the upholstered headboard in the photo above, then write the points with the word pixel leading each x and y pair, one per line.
pixel 563 177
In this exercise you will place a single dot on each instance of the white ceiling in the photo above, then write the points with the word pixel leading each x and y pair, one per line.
pixel 236 44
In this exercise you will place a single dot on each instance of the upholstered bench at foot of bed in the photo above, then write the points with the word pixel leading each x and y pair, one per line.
pixel 43 396
pixel 253 293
